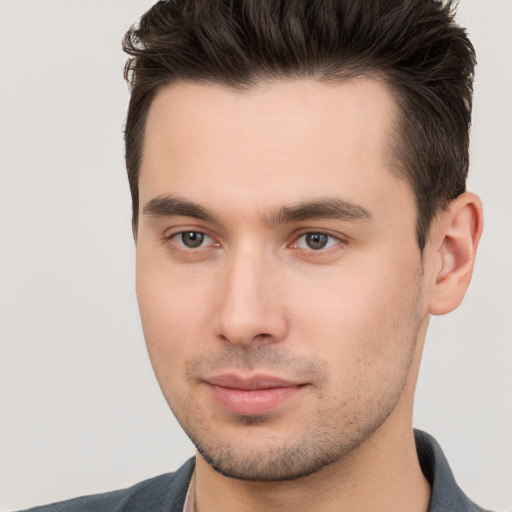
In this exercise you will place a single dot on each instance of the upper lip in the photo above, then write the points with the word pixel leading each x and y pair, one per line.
pixel 253 382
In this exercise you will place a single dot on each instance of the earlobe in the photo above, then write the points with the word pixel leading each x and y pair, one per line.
pixel 456 240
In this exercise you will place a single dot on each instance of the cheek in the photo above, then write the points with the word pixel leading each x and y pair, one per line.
pixel 169 296
pixel 364 317
pixel 173 313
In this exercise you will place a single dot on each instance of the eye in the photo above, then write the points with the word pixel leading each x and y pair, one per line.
pixel 192 239
pixel 316 241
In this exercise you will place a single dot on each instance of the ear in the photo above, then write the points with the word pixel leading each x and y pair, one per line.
pixel 455 242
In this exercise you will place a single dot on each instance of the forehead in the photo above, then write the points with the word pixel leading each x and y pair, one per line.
pixel 275 141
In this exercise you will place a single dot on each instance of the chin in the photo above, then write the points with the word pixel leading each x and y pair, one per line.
pixel 276 460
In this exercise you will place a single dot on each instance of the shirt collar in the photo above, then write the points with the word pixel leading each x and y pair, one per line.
pixel 189 505
pixel 445 493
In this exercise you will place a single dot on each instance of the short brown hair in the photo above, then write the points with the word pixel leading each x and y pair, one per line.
pixel 413 45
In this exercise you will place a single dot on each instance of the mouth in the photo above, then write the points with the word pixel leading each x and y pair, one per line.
pixel 252 396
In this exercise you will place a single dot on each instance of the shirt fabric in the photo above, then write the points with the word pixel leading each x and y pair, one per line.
pixel 168 492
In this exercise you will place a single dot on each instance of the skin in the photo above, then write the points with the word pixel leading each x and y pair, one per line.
pixel 344 323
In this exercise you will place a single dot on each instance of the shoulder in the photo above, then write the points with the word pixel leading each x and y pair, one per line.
pixel 158 494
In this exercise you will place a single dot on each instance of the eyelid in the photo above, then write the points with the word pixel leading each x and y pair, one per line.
pixel 341 240
pixel 172 234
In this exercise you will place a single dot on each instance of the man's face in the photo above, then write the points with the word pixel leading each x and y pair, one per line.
pixel 278 275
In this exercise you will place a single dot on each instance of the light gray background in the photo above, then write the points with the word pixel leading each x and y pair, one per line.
pixel 80 409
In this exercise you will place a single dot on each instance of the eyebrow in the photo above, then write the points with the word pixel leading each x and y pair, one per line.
pixel 167 206
pixel 325 208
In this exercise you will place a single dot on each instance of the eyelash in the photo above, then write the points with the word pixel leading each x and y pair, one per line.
pixel 175 236
pixel 332 243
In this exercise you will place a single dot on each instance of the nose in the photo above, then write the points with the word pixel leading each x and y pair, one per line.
pixel 251 309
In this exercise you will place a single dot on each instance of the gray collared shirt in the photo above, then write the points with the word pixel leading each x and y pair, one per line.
pixel 445 495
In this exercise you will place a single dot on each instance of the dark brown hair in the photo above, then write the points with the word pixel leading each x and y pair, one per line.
pixel 413 45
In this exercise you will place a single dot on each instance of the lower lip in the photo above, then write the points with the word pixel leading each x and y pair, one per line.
pixel 255 401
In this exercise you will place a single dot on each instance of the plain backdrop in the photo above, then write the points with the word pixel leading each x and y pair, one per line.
pixel 80 409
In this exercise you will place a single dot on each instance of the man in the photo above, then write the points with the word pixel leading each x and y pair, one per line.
pixel 298 174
